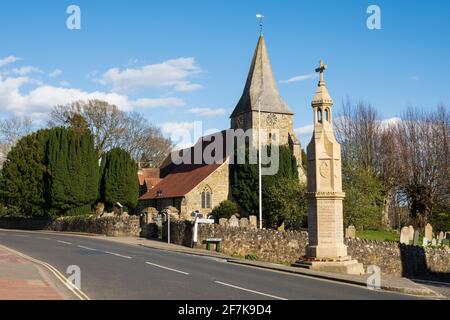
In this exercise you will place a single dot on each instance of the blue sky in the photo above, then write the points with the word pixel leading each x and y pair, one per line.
pixel 179 61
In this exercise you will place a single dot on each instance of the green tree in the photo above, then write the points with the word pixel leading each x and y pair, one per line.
pixel 225 209
pixel 285 202
pixel 119 181
pixel 244 182
pixel 364 197
pixel 72 172
pixel 22 175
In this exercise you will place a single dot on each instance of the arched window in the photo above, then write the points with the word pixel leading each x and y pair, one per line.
pixel 206 198
pixel 319 115
pixel 327 115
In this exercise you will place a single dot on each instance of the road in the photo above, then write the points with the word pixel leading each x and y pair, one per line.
pixel 111 270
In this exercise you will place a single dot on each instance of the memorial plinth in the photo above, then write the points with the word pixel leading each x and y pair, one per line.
pixel 326 250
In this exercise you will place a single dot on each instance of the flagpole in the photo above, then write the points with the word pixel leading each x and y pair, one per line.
pixel 260 165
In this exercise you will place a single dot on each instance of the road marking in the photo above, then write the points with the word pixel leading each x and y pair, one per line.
pixel 76 291
pixel 118 255
pixel 21 235
pixel 87 248
pixel 64 242
pixel 248 290
pixel 42 238
pixel 167 268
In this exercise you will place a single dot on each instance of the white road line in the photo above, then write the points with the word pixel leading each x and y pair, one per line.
pixel 167 268
pixel 42 238
pixel 87 248
pixel 118 255
pixel 64 242
pixel 248 290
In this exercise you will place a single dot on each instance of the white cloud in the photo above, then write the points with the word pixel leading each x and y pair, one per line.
pixel 39 101
pixel 158 102
pixel 300 78
pixel 23 71
pixel 55 73
pixel 182 134
pixel 386 123
pixel 208 112
pixel 172 74
pixel 306 130
pixel 8 60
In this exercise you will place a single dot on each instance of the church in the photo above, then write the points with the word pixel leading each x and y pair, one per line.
pixel 203 186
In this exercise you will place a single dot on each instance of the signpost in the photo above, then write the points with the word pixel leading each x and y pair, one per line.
pixel 201 221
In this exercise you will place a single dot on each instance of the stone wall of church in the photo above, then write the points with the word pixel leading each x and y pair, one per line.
pixel 282 124
pixel 217 183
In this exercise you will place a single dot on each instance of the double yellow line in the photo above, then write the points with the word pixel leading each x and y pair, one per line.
pixel 76 291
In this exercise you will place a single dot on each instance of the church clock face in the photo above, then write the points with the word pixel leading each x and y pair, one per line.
pixel 240 120
pixel 272 119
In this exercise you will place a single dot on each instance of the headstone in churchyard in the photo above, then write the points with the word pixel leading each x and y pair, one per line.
pixel 416 238
pixel 253 222
pixel 441 236
pixel 233 222
pixel 424 242
pixel 411 233
pixel 404 235
pixel 223 222
pixel 243 223
pixel 350 232
pixel 428 232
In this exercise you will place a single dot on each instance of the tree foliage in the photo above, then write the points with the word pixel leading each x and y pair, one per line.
pixel 113 128
pixel 72 171
pixel 23 173
pixel 119 181
pixel 225 209
pixel 244 186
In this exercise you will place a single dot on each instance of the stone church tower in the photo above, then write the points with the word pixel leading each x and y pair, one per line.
pixel 261 92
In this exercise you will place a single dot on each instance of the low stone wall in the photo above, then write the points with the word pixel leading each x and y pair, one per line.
pixel 109 226
pixel 286 247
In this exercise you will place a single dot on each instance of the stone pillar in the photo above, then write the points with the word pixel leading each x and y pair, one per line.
pixel 326 250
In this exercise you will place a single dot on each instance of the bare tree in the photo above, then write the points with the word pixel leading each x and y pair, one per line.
pixel 11 130
pixel 112 128
pixel 422 140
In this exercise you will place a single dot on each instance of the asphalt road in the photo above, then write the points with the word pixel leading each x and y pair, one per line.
pixel 111 270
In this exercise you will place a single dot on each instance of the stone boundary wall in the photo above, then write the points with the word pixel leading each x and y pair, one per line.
pixel 109 226
pixel 286 247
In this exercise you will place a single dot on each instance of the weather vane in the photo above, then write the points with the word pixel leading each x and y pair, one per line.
pixel 260 17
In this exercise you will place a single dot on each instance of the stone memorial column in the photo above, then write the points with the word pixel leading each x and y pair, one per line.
pixel 326 250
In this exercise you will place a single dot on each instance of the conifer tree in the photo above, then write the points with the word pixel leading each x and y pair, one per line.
pixel 119 181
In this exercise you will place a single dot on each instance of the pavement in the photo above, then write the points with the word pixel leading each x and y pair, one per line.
pixel 22 279
pixel 141 269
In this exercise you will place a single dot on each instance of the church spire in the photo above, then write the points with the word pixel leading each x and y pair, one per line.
pixel 261 85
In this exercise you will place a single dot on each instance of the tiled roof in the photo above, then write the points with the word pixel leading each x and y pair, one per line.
pixel 178 180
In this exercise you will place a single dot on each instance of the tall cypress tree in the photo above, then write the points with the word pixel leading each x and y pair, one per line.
pixel 119 182
pixel 22 176
pixel 73 171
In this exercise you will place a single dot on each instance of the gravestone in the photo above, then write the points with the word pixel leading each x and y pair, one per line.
pixel 253 222
pixel 441 236
pixel 428 232
pixel 243 223
pixel 350 232
pixel 404 235
pixel 233 222
pixel 223 222
pixel 411 233
pixel 416 238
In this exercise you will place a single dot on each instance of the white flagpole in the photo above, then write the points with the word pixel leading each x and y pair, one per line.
pixel 260 164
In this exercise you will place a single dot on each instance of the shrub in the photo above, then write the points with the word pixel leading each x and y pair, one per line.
pixel 225 210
